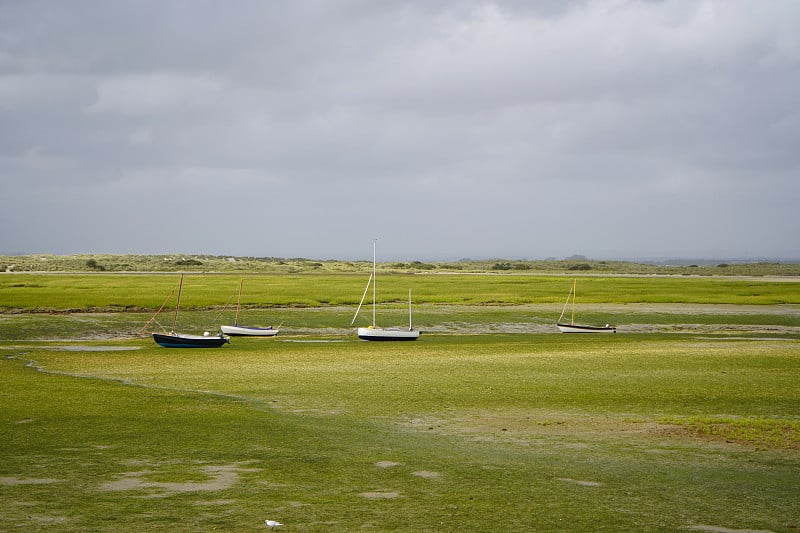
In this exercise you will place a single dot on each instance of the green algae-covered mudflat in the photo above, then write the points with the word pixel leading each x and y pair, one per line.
pixel 687 419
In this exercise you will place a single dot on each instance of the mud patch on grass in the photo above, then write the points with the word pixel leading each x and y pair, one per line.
pixel 427 474
pixel 12 481
pixel 86 348
pixel 717 529
pixel 380 495
pixel 528 426
pixel 220 477
pixel 763 433
pixel 571 431
pixel 580 482
pixel 387 464
pixel 47 519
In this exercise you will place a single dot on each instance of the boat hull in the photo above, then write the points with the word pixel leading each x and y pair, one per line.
pixel 387 334
pixel 248 331
pixel 182 340
pixel 575 328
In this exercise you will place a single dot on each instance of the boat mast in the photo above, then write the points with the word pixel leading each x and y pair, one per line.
pixel 177 305
pixel 574 281
pixel 238 302
pixel 374 282
pixel 410 327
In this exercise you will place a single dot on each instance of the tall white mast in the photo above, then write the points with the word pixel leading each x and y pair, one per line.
pixel 410 326
pixel 374 282
pixel 238 303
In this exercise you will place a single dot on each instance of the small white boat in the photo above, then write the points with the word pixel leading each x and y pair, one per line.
pixel 372 333
pixel 375 333
pixel 246 331
pixel 572 327
pixel 251 331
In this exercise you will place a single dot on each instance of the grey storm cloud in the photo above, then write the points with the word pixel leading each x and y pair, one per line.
pixel 611 128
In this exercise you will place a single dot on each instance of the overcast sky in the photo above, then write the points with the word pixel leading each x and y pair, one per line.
pixel 446 129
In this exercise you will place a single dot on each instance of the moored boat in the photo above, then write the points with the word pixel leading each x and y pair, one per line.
pixel 172 339
pixel 184 340
pixel 249 331
pixel 371 333
pixel 572 327
pixel 246 331
pixel 375 333
pixel 577 328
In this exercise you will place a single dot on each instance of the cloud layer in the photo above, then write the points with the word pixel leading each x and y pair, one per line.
pixel 611 128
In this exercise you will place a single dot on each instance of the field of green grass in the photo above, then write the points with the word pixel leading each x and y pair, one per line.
pixel 688 419
pixel 120 292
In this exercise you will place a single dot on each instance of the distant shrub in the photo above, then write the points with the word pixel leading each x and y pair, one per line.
pixel 188 262
pixel 521 266
pixel 723 265
pixel 501 266
pixel 580 266
pixel 422 266
pixel 91 263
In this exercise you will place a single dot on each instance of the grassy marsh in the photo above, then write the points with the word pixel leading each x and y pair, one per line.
pixel 121 292
pixel 562 433
pixel 689 419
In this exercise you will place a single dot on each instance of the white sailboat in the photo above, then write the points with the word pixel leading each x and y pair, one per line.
pixel 246 331
pixel 572 327
pixel 375 333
